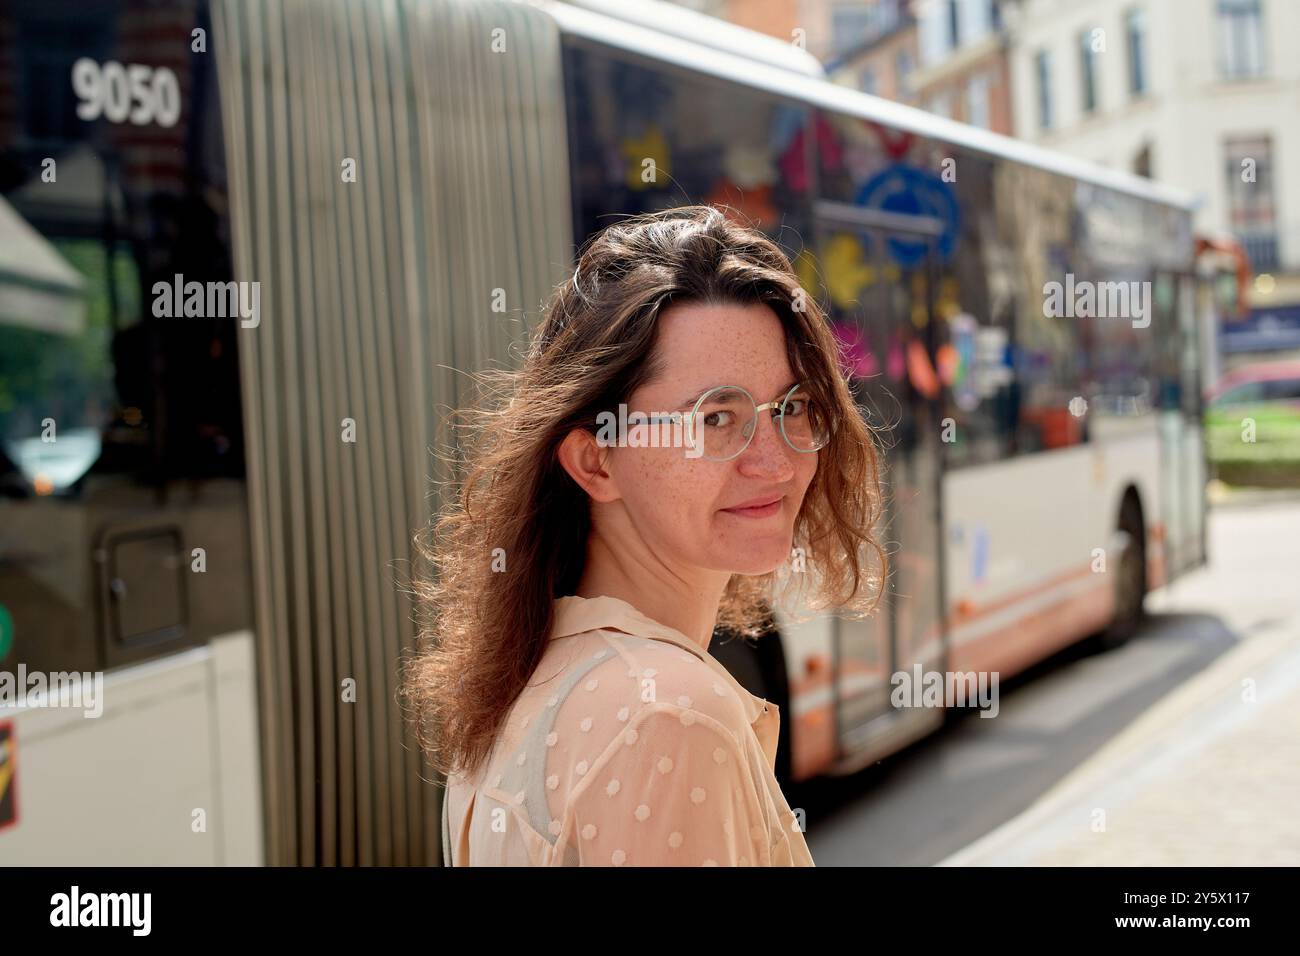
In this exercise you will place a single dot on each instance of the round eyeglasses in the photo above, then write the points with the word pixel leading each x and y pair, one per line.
pixel 722 423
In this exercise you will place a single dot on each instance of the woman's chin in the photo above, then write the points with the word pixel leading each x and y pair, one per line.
pixel 756 559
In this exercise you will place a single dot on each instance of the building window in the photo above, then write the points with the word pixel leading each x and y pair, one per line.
pixel 1043 71
pixel 954 24
pixel 1142 165
pixel 1135 31
pixel 1088 72
pixel 977 100
pixel 867 81
pixel 904 64
pixel 855 24
pixel 1241 39
pixel 1252 214
pixel 886 15
pixel 851 26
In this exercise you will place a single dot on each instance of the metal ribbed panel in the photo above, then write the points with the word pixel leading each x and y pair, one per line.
pixel 371 293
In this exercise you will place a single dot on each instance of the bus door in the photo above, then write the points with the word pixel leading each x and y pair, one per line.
pixel 878 269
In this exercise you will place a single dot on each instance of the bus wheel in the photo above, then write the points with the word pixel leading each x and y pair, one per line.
pixel 1130 579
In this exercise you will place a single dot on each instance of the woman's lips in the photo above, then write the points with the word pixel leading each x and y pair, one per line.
pixel 762 510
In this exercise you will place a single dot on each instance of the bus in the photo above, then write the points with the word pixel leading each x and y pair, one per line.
pixel 248 248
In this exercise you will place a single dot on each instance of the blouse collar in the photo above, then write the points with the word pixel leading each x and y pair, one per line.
pixel 574 615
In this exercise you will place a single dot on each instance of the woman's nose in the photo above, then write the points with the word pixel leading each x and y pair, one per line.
pixel 766 454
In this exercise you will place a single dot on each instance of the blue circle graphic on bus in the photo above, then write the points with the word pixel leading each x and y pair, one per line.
pixel 913 191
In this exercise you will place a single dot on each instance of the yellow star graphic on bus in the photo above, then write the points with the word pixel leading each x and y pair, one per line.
pixel 648 162
pixel 805 266
pixel 846 273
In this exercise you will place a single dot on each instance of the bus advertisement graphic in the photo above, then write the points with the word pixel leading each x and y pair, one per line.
pixel 913 191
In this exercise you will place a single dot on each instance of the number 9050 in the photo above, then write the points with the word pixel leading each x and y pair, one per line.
pixel 141 94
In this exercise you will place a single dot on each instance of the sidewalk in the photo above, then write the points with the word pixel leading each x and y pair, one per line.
pixel 1203 778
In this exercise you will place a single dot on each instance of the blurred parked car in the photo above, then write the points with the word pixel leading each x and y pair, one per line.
pixel 1252 425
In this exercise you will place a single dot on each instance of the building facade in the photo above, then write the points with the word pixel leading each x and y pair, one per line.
pixel 1201 94
pixel 964 64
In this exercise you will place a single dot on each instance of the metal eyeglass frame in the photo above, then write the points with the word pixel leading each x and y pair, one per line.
pixel 775 405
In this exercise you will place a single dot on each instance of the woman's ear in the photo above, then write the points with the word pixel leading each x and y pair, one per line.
pixel 585 460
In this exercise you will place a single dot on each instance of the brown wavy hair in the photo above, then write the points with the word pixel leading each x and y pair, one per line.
pixel 484 630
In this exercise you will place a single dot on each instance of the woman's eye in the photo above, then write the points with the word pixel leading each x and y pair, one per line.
pixel 718 419
pixel 795 407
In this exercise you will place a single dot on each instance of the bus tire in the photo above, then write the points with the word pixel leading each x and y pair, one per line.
pixel 1130 578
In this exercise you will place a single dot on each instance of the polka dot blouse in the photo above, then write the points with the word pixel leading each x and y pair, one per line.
pixel 630 746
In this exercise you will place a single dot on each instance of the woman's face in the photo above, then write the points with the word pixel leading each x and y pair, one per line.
pixel 738 515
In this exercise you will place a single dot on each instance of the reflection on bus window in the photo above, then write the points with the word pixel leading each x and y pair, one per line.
pixel 121 441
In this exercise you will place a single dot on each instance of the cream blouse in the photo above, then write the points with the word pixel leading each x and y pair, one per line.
pixel 630 746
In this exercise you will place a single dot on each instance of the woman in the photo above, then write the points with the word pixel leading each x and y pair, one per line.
pixel 567 688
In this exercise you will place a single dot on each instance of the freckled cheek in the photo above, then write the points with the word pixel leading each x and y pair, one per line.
pixel 805 471
pixel 693 490
pixel 672 492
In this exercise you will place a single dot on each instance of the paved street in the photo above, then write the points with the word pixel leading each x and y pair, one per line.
pixel 1151 754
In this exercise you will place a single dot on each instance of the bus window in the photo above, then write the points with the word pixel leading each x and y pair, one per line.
pixel 1049 358
pixel 976 340
pixel 121 446
pixel 643 137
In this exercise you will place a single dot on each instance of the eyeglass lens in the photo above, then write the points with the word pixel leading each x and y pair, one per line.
pixel 726 417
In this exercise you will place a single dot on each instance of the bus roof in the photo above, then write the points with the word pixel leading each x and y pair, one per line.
pixel 688 24
pixel 712 49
